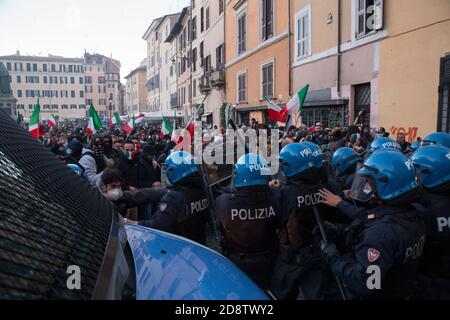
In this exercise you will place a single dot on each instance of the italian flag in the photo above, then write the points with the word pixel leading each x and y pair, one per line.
pixel 34 122
pixel 139 119
pixel 132 123
pixel 115 119
pixel 295 105
pixel 166 127
pixel 129 126
pixel 51 121
pixel 276 113
pixel 95 124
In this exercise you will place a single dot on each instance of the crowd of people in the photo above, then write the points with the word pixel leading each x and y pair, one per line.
pixel 353 214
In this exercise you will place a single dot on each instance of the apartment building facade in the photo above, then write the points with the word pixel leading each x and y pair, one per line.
pixel 136 93
pixel 386 58
pixel 212 55
pixel 102 84
pixel 57 82
pixel 256 39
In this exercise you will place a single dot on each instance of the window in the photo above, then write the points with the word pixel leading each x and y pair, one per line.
pixel 19 93
pixel 267 80
pixel 45 79
pixel 207 18
pixel 266 19
pixel 242 33
pixel 444 96
pixel 20 107
pixel 81 80
pixel 202 19
pixel 220 57
pixel 73 106
pixel 194 28
pixel 81 94
pixel 88 79
pixel 8 66
pixel 65 106
pixel 303 33
pixel 194 60
pixel 29 67
pixel 44 67
pixel 19 79
pixel 194 89
pixel 242 87
pixel 221 7
pixel 369 17
pixel 47 107
pixel 53 68
pixel 35 69
pixel 55 106
pixel 30 107
pixel 82 106
pixel 72 94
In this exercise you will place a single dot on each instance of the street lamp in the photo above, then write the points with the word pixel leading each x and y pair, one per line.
pixel 110 108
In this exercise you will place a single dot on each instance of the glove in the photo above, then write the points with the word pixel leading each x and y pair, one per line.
pixel 328 251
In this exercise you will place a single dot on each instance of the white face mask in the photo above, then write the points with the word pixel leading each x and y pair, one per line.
pixel 114 194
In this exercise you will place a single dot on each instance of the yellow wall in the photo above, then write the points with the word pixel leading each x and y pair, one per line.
pixel 409 65
pixel 278 52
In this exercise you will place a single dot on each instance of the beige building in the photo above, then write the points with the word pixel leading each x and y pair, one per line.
pixel 136 93
pixel 161 73
pixel 212 52
pixel 57 82
pixel 383 57
pixel 102 84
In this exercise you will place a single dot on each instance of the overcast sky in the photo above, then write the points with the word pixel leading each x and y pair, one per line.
pixel 68 27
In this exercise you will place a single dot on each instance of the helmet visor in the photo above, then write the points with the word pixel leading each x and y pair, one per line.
pixel 363 188
pixel 165 182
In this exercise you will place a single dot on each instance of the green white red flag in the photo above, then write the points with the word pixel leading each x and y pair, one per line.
pixel 34 122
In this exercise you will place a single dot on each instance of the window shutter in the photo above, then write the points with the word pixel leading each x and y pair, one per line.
pixel 379 15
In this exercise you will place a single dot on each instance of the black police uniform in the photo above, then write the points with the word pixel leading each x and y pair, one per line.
pixel 434 280
pixel 392 240
pixel 182 211
pixel 248 220
pixel 298 263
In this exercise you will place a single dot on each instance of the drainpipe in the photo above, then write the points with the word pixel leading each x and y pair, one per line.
pixel 338 82
pixel 289 48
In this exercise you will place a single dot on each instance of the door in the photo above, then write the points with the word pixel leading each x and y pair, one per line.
pixel 444 96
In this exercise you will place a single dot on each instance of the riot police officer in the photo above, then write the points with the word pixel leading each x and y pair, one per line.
pixel 344 164
pixel 387 252
pixel 298 266
pixel 248 219
pixel 433 166
pixel 183 209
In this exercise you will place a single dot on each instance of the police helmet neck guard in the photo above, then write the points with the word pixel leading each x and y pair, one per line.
pixel 179 165
pixel 296 158
pixel 385 175
pixel 433 165
pixel 251 170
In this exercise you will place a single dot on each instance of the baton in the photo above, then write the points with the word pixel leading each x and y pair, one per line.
pixel 325 240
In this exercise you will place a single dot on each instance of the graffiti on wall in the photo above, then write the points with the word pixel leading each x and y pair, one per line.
pixel 410 132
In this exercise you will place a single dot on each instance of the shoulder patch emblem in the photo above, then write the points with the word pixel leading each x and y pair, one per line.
pixel 162 207
pixel 373 255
